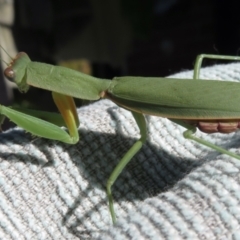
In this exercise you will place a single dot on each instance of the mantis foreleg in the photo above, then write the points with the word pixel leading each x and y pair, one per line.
pixel 45 124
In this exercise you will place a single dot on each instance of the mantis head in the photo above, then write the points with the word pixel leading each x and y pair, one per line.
pixel 16 71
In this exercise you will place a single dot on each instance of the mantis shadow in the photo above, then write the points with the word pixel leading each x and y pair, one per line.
pixel 151 172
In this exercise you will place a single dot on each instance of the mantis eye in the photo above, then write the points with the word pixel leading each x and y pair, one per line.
pixel 9 74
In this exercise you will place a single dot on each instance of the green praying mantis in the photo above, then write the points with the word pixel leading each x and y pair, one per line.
pixel 209 105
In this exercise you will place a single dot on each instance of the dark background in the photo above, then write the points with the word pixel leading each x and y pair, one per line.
pixel 164 36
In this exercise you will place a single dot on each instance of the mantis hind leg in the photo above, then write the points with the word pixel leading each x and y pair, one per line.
pixel 140 120
pixel 199 59
pixel 189 134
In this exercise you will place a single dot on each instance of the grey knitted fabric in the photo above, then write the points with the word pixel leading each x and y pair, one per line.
pixel 172 189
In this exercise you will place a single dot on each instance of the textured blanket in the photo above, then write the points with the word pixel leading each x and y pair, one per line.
pixel 172 189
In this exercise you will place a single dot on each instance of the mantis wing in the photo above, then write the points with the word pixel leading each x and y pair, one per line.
pixel 175 98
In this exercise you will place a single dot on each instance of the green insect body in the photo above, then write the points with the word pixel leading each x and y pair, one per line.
pixel 210 105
